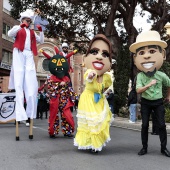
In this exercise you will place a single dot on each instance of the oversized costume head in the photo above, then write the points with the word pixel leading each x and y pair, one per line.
pixel 99 55
pixel 149 51
pixel 58 64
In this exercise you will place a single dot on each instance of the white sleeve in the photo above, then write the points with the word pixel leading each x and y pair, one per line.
pixel 13 31
pixel 40 38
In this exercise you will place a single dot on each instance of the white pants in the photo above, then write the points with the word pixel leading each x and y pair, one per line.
pixel 23 77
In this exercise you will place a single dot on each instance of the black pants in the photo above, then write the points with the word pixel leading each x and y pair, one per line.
pixel 155 128
pixel 147 106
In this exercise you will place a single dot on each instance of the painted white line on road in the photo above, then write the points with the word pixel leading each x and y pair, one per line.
pixel 35 127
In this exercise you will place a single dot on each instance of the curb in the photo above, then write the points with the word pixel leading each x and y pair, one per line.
pixel 124 123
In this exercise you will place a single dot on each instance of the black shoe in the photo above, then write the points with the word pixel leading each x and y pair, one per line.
pixel 93 151
pixel 52 136
pixel 165 152
pixel 154 133
pixel 143 151
pixel 70 135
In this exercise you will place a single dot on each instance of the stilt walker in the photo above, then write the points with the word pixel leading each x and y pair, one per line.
pixel 23 69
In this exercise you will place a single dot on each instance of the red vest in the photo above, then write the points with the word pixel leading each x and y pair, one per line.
pixel 20 41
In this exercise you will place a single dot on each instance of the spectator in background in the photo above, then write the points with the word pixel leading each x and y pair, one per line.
pixel 38 112
pixel 42 103
pixel 132 103
pixel 76 104
pixel 110 99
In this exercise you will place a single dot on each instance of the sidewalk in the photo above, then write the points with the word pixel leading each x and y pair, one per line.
pixel 124 123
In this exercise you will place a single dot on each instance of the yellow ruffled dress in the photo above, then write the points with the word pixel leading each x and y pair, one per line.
pixel 93 119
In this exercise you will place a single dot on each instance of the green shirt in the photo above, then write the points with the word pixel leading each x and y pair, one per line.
pixel 155 91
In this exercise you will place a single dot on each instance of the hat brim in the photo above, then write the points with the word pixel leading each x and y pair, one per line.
pixel 135 46
pixel 25 17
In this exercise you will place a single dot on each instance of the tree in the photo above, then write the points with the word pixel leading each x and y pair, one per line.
pixel 121 78
pixel 71 19
pixel 81 19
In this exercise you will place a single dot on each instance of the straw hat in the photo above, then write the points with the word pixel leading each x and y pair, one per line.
pixel 25 14
pixel 147 38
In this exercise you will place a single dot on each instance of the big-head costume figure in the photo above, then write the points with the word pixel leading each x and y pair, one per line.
pixel 93 113
pixel 149 54
pixel 23 73
pixel 61 95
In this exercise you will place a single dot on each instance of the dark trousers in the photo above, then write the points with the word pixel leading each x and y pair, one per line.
pixel 155 128
pixel 147 106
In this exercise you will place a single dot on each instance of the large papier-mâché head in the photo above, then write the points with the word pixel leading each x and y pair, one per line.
pixel 58 66
pixel 149 51
pixel 99 55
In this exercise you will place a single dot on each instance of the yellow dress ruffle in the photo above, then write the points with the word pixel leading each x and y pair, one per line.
pixel 93 119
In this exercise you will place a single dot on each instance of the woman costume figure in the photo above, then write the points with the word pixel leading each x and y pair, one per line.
pixel 94 115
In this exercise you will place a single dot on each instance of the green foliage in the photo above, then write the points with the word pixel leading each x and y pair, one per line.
pixel 81 19
pixel 167 114
pixel 166 69
pixel 124 112
pixel 121 79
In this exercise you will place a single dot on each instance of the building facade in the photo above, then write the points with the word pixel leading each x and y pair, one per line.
pixel 6 48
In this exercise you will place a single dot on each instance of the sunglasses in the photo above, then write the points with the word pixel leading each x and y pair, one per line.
pixel 28 20
pixel 66 48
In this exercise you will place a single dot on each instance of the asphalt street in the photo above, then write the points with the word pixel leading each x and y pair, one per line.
pixel 44 153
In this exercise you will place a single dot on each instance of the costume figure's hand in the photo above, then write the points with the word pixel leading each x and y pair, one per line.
pixel 23 25
pixel 75 51
pixel 91 75
pixel 153 82
pixel 167 100
pixel 41 50
pixel 39 27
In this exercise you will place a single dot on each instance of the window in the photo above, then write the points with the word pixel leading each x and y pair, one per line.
pixel 45 64
pixel 7 57
pixel 6 28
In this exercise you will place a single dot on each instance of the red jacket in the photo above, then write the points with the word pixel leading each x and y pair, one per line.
pixel 20 41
